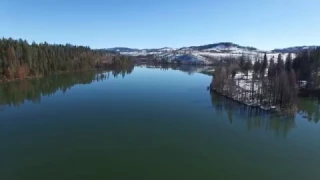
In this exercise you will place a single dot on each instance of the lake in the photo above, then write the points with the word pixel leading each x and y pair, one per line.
pixel 148 123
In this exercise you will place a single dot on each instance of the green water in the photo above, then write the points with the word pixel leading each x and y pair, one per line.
pixel 147 123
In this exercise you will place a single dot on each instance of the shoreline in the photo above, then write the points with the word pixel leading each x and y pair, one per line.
pixel 41 76
pixel 268 109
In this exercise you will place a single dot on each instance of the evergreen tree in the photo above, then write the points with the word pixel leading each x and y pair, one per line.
pixel 247 66
pixel 280 64
pixel 264 64
pixel 242 62
pixel 11 56
pixel 296 63
pixel 288 63
pixel 272 69
pixel 257 67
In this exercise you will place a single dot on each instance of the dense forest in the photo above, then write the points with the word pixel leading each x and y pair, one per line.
pixel 306 65
pixel 19 59
pixel 267 82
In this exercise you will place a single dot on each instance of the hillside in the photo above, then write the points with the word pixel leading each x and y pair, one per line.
pixel 293 49
pixel 207 54
pixel 222 47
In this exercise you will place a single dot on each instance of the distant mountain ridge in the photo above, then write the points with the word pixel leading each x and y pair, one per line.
pixel 206 54
pixel 122 49
pixel 222 47
pixel 293 49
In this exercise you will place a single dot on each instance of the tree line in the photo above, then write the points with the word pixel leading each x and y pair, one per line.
pixel 19 59
pixel 306 65
pixel 266 83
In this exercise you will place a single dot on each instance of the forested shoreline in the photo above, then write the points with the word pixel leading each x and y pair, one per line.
pixel 268 83
pixel 19 59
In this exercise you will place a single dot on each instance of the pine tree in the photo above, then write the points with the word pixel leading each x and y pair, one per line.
pixel 296 63
pixel 247 66
pixel 12 59
pixel 257 67
pixel 280 64
pixel 288 63
pixel 242 62
pixel 264 64
pixel 272 69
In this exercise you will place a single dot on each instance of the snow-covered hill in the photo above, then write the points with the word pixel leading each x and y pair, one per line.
pixel 225 47
pixel 140 52
pixel 122 49
pixel 202 54
pixel 213 48
pixel 293 49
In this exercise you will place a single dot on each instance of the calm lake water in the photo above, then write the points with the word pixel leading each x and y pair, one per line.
pixel 147 123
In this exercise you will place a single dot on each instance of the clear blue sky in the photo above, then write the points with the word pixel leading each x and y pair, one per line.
pixel 265 24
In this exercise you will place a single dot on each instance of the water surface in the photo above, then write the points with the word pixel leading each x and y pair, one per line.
pixel 147 124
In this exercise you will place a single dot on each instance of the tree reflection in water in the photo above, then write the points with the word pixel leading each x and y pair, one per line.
pixel 309 109
pixel 18 92
pixel 255 118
